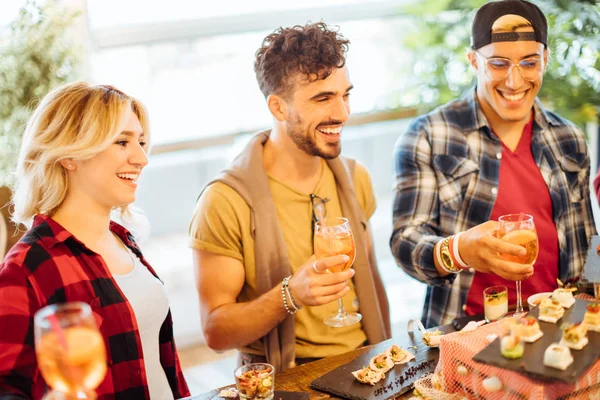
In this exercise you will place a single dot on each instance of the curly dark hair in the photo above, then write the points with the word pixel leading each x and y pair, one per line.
pixel 313 50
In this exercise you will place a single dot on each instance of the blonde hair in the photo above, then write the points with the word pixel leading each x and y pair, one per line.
pixel 510 23
pixel 76 121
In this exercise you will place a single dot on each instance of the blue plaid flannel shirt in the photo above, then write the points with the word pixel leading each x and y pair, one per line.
pixel 447 167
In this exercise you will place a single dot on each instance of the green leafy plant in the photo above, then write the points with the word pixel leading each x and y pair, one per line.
pixel 442 37
pixel 36 55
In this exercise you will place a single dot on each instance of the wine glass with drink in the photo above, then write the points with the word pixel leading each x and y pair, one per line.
pixel 333 236
pixel 519 229
pixel 70 350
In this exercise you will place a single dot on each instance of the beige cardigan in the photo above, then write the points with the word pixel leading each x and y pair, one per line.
pixel 246 175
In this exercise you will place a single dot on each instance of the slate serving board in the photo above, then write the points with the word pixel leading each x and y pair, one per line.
pixel 532 362
pixel 341 383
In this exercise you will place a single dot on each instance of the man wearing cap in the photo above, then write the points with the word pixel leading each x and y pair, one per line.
pixel 496 151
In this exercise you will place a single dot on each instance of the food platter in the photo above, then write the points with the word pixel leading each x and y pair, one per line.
pixel 532 365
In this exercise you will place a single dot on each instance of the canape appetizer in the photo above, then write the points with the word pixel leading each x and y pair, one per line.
pixel 557 356
pixel 592 317
pixel 432 338
pixel 574 336
pixel 381 363
pixel 550 310
pixel 398 355
pixel 564 296
pixel 367 375
pixel 511 346
pixel 530 329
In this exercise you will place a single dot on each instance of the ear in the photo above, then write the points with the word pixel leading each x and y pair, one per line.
pixel 472 58
pixel 68 164
pixel 278 107
pixel 546 55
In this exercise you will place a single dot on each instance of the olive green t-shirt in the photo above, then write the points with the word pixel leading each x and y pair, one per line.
pixel 221 225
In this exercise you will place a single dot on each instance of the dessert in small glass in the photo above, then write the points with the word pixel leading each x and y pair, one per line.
pixel 495 303
pixel 592 317
pixel 557 356
pixel 255 381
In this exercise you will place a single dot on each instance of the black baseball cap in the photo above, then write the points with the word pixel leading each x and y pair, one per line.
pixel 481 31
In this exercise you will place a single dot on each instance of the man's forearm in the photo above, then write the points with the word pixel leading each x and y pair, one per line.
pixel 236 325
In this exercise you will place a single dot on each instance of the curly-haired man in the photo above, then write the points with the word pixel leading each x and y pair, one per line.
pixel 261 290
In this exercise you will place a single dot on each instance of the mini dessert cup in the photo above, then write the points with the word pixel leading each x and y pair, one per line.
pixel 495 303
pixel 255 381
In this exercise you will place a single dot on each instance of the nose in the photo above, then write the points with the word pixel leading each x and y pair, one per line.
pixel 514 80
pixel 139 157
pixel 342 110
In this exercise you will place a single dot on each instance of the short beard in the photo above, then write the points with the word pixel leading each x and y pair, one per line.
pixel 307 143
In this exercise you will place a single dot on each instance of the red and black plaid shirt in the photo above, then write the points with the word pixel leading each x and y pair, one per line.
pixel 49 265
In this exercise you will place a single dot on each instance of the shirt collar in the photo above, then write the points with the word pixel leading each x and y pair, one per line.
pixel 52 233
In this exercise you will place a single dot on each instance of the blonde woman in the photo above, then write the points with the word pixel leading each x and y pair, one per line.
pixel 82 154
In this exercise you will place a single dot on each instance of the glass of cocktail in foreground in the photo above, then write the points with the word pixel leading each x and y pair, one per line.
pixel 519 229
pixel 70 350
pixel 333 236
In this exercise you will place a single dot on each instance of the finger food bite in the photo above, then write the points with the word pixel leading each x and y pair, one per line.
pixel 550 310
pixel 557 356
pixel 511 346
pixel 530 329
pixel 367 375
pixel 592 317
pixel 574 336
pixel 564 296
pixel 381 363
pixel 432 338
pixel 398 355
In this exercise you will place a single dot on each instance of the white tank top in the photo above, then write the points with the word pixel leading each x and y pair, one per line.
pixel 150 304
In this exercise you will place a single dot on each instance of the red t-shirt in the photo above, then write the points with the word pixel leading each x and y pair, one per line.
pixel 521 188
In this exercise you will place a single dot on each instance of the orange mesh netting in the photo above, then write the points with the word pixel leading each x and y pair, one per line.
pixel 457 376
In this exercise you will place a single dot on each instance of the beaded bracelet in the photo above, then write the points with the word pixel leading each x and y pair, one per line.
pixel 285 293
pixel 289 294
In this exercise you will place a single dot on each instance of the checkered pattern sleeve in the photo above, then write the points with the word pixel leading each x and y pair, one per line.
pixel 416 207
pixel 18 303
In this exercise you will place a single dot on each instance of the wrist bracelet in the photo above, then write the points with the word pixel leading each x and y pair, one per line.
pixel 447 263
pixel 456 255
pixel 289 294
pixel 285 292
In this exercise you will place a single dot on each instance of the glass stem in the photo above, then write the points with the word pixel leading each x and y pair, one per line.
pixel 519 309
pixel 341 310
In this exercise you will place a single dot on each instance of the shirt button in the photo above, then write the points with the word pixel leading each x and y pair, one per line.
pixel 464 307
pixel 499 156
pixel 472 270
pixel 494 191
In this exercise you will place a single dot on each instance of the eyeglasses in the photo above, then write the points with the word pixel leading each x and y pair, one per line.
pixel 498 69
pixel 319 210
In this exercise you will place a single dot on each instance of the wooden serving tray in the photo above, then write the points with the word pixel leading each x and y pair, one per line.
pixel 341 383
pixel 278 395
pixel 532 362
